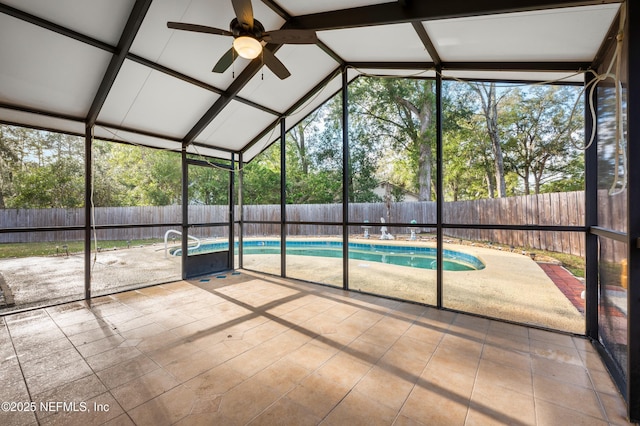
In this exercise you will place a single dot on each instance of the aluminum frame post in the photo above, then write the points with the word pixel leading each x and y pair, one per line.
pixel 185 211
pixel 241 210
pixel 439 190
pixel 283 199
pixel 345 180
pixel 631 53
pixel 591 217
pixel 232 213
pixel 88 210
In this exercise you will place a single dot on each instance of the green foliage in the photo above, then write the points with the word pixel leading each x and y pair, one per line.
pixel 313 155
pixel 208 186
pixel 467 156
pixel 40 169
pixel 398 114
pixel 540 136
pixel 321 187
pixel 127 175
pixel 59 184
pixel 261 178
pixel 391 139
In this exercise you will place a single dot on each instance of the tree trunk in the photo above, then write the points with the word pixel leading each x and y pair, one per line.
pixel 425 155
pixel 302 149
pixel 455 189
pixel 424 172
pixel 537 182
pixel 490 186
pixel 490 109
pixel 527 189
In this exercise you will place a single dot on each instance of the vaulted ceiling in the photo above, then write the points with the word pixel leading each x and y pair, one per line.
pixel 115 67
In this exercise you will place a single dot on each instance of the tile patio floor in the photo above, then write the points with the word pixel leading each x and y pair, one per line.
pixel 249 349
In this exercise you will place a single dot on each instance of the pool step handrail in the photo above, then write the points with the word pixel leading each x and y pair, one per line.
pixel 173 231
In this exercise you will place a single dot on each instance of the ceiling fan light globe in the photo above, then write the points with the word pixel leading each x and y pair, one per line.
pixel 247 47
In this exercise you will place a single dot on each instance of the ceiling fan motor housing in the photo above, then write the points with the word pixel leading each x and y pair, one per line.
pixel 240 30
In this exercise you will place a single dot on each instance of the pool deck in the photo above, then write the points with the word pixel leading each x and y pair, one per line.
pixel 511 286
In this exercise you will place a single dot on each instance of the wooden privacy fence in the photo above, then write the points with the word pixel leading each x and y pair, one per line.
pixel 44 218
pixel 565 208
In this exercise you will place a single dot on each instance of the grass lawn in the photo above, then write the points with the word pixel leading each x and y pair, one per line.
pixel 53 248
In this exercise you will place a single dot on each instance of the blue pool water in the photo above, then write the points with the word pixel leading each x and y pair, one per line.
pixel 415 257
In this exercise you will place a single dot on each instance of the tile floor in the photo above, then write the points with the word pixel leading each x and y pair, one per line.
pixel 249 349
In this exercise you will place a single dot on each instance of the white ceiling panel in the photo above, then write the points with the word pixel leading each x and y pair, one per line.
pixel 47 71
pixel 389 43
pixel 155 102
pixel 259 146
pixel 235 126
pixel 209 152
pixel 153 36
pixel 569 34
pixel 528 76
pixel 99 19
pixel 104 132
pixel 308 65
pixel 352 73
pixel 195 55
pixel 28 119
pixel 427 73
pixel 297 7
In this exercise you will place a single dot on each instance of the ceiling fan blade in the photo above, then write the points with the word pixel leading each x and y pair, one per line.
pixel 291 37
pixel 198 28
pixel 225 62
pixel 244 12
pixel 274 64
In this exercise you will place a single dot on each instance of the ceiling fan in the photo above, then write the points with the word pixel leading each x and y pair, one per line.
pixel 248 35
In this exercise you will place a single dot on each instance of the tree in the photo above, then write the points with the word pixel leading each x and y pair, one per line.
pixel 495 141
pixel 43 169
pixel 165 171
pixel 107 189
pixel 539 144
pixel 363 161
pixel 467 158
pixel 314 158
pixel 400 111
pixel 8 160
pixel 468 166
pixel 261 177
pixel 489 101
pixel 298 139
pixel 208 185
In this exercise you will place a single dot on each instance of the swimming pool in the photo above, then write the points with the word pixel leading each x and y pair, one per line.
pixel 415 257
